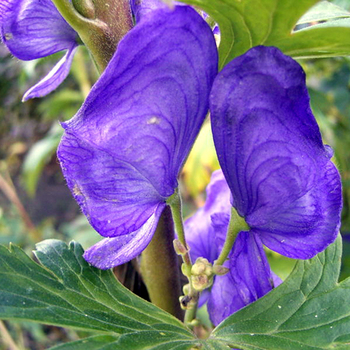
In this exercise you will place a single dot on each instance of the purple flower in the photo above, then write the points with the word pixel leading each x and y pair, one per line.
pixel 249 276
pixel 270 149
pixel 140 8
pixel 122 152
pixel 35 29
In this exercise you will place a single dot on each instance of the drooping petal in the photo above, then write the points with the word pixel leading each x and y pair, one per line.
pixel 115 251
pixel 271 152
pixel 122 152
pixel 34 29
pixel 199 229
pixel 249 278
pixel 54 78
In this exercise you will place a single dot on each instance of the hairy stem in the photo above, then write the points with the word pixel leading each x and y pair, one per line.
pixel 159 267
pixel 105 25
pixel 237 224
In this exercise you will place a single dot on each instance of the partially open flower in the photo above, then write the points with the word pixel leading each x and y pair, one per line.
pixel 35 29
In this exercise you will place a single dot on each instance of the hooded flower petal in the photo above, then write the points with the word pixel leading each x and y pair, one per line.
pixel 122 151
pixel 271 152
pixel 35 29
pixel 249 278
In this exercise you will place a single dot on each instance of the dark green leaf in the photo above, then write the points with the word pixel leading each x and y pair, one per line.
pixel 67 291
pixel 248 23
pixel 309 311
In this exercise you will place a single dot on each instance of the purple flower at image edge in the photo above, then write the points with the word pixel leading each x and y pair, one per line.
pixel 35 29
pixel 279 173
pixel 122 152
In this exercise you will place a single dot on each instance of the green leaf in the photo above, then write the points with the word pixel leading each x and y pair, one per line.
pixel 248 23
pixel 67 291
pixel 323 11
pixel 309 311
pixel 40 153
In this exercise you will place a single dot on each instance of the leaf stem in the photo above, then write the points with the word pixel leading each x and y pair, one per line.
pixel 236 225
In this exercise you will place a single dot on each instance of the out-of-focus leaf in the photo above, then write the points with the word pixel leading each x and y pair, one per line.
pixel 323 11
pixel 201 162
pixel 61 105
pixel 248 23
pixel 40 153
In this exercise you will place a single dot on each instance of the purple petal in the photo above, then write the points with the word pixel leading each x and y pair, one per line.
pixel 249 278
pixel 54 78
pixel 140 8
pixel 271 152
pixel 199 228
pixel 122 151
pixel 115 251
pixel 34 29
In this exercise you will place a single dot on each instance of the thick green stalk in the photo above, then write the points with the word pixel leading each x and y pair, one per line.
pixel 237 224
pixel 100 24
pixel 159 267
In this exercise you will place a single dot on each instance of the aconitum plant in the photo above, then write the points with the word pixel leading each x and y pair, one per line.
pixel 278 189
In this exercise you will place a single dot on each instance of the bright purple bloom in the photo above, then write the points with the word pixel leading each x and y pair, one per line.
pixel 35 29
pixel 270 149
pixel 249 277
pixel 122 152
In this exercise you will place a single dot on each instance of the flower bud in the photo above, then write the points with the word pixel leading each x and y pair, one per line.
pixel 180 249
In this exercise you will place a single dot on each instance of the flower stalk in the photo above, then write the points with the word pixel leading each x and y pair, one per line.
pixel 236 225
pixel 159 267
pixel 190 300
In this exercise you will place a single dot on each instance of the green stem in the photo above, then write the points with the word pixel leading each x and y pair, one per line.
pixel 176 209
pixel 159 267
pixel 100 34
pixel 236 225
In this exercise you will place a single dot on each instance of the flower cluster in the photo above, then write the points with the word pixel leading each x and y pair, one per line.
pixel 122 152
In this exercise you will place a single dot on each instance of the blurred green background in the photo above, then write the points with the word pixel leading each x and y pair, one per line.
pixel 35 203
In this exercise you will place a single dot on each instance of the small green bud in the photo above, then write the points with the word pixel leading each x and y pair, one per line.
pixel 186 288
pixel 202 267
pixel 180 249
pixel 187 302
pixel 220 270
pixel 201 282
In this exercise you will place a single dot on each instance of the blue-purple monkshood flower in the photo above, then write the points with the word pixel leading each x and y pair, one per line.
pixel 271 152
pixel 249 277
pixel 122 152
pixel 35 29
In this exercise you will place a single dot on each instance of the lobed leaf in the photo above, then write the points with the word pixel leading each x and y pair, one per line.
pixel 67 291
pixel 244 24
pixel 309 311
